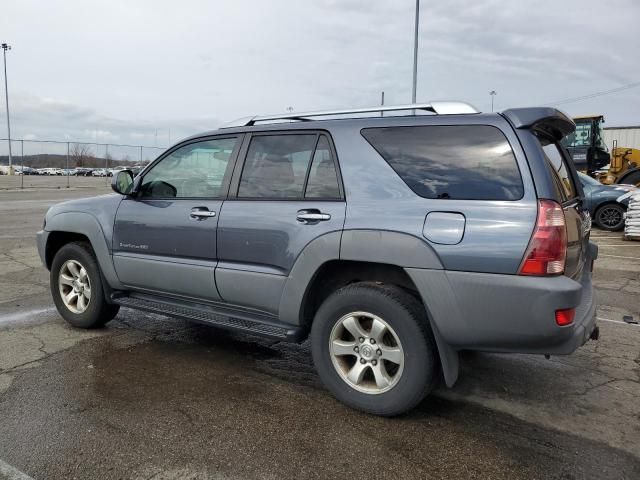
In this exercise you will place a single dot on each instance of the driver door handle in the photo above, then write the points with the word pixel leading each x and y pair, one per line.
pixel 201 213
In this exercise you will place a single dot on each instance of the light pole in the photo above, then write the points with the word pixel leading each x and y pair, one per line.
pixel 415 55
pixel 6 47
pixel 493 93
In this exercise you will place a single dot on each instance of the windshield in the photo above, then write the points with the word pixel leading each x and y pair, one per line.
pixel 581 137
pixel 588 132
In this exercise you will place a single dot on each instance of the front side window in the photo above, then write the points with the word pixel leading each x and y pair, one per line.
pixel 196 170
pixel 464 162
pixel 285 166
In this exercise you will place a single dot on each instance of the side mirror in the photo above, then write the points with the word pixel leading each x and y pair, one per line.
pixel 122 182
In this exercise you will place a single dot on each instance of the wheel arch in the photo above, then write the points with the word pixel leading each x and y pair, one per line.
pixel 336 260
pixel 58 239
pixel 395 250
pixel 69 227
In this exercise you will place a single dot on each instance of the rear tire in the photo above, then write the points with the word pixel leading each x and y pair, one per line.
pixel 610 217
pixel 76 287
pixel 395 366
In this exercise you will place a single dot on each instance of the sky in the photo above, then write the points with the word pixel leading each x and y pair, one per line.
pixel 151 72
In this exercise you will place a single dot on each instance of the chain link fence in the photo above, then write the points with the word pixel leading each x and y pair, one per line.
pixel 72 159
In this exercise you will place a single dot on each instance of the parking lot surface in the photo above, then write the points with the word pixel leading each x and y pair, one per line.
pixel 151 397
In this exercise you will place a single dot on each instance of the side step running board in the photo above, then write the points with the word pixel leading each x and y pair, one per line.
pixel 218 316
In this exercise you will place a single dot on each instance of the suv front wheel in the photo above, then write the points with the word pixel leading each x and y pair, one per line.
pixel 76 287
pixel 373 348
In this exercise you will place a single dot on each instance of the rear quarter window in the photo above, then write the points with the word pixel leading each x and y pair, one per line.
pixel 460 162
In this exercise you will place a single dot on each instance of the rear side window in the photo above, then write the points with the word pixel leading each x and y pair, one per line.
pixel 276 166
pixel 463 162
pixel 289 166
pixel 561 175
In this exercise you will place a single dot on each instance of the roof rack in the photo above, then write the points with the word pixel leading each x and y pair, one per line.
pixel 440 108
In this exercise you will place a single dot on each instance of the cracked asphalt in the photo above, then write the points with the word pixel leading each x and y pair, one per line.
pixel 152 397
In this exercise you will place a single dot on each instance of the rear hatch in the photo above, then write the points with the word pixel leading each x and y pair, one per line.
pixel 569 191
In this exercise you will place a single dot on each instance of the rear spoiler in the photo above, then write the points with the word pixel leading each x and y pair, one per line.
pixel 546 120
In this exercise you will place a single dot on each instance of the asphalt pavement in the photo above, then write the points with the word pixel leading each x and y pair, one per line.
pixel 151 397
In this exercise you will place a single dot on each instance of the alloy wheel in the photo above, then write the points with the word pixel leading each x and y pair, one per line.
pixel 366 352
pixel 610 216
pixel 75 286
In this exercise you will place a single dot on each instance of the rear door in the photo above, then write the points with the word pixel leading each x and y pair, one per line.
pixel 285 194
pixel 576 215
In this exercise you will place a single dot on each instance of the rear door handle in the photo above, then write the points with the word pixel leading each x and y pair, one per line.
pixel 312 216
pixel 201 213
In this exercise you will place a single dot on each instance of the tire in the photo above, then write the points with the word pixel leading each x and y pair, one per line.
pixel 632 179
pixel 610 217
pixel 88 307
pixel 407 326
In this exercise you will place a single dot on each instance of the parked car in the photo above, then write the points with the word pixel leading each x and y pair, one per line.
pixel 393 242
pixel 100 172
pixel 115 170
pixel 84 172
pixel 25 171
pixel 50 171
pixel 602 202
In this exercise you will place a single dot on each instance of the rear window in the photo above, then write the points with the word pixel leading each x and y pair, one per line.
pixel 561 174
pixel 461 162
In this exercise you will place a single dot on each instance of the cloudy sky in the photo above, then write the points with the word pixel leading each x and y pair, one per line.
pixel 120 71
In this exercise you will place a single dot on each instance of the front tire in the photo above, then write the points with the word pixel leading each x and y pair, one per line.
pixel 76 287
pixel 610 217
pixel 373 348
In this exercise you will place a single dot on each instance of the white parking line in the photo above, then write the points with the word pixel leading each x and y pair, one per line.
pixel 23 317
pixel 618 321
pixel 618 256
pixel 12 473
pixel 624 245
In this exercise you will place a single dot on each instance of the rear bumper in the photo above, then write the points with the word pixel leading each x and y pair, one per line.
pixel 508 313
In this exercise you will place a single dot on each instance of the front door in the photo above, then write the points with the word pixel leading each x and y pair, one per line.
pixel 165 235
pixel 286 195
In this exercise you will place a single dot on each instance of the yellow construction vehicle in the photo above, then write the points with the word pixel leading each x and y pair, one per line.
pixel 590 154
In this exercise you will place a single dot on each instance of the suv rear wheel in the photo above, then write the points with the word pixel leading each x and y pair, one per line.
pixel 76 287
pixel 373 348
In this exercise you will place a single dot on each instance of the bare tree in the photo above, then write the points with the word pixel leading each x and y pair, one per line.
pixel 79 153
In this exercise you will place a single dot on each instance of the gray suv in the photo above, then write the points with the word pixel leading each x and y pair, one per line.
pixel 392 242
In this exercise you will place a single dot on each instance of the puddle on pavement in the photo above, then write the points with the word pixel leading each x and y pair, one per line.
pixel 188 395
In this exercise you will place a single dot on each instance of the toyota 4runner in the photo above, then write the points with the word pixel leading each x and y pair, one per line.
pixel 393 242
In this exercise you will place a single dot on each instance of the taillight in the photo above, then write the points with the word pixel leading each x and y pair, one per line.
pixel 547 249
pixel 565 317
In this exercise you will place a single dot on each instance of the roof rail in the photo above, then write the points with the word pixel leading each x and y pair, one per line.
pixel 440 108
